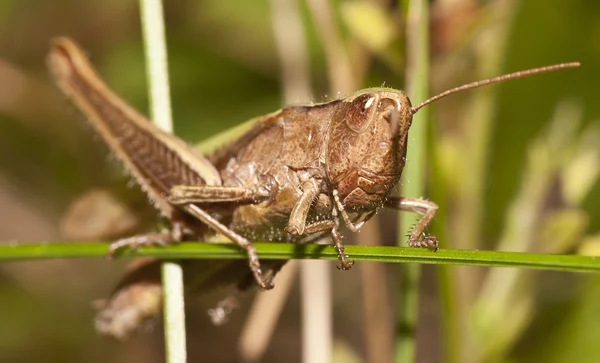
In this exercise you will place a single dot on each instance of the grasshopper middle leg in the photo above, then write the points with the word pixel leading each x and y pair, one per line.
pixel 253 261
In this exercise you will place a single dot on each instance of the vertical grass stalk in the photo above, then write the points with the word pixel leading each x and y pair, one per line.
pixel 413 182
pixel 153 30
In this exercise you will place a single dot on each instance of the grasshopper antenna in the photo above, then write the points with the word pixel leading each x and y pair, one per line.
pixel 498 79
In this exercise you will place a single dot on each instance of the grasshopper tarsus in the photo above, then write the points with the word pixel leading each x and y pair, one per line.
pixel 428 241
pixel 135 242
pixel 172 235
pixel 344 264
pixel 417 237
pixel 254 263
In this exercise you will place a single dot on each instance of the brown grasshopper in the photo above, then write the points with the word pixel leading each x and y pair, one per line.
pixel 292 178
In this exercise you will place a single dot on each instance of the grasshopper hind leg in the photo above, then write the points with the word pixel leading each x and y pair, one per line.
pixel 172 235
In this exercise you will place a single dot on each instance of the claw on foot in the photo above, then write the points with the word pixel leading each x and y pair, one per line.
pixel 264 284
pixel 345 265
pixel 428 241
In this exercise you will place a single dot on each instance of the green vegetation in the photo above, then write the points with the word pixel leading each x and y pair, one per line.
pixel 513 167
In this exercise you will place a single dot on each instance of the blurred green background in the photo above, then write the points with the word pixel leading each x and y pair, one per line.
pixel 513 167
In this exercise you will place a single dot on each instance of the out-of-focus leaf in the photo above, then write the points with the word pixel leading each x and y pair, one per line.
pixel 581 174
pixel 562 230
pixel 369 22
pixel 590 246
pixel 570 335
pixel 373 25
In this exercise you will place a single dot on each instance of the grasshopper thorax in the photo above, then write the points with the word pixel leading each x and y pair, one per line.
pixel 366 148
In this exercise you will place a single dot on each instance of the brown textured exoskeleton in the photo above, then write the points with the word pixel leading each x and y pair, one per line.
pixel 292 178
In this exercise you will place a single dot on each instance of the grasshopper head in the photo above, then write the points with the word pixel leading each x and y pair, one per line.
pixel 367 145
pixel 367 139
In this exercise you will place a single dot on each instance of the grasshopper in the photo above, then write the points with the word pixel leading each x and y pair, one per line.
pixel 293 177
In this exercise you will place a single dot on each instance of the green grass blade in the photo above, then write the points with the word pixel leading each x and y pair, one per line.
pixel 282 251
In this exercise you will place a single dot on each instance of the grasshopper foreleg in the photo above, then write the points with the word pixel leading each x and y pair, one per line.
pixel 427 209
pixel 297 222
pixel 336 237
pixel 339 246
pixel 354 227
